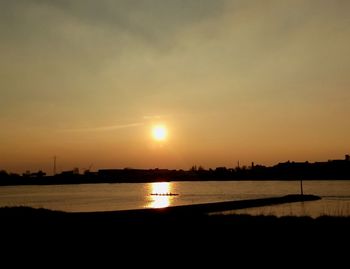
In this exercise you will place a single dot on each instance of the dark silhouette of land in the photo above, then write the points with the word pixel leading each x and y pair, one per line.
pixel 192 221
pixel 330 170
pixel 179 215
pixel 179 232
pixel 182 210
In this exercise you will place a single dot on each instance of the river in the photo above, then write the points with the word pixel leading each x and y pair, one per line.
pixel 122 196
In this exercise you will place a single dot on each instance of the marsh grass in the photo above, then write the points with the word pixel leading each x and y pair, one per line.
pixel 314 209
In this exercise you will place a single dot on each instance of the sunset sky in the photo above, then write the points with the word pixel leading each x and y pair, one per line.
pixel 254 81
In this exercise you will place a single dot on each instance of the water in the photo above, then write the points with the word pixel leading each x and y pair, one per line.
pixel 106 197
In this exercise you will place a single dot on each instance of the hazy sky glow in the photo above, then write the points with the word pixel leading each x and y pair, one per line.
pixel 262 81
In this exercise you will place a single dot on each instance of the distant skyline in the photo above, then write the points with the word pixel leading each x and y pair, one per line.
pixel 249 81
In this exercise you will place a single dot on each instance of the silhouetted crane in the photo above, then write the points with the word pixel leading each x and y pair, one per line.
pixel 87 170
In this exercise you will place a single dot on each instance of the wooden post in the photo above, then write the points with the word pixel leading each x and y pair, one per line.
pixel 301 187
pixel 54 165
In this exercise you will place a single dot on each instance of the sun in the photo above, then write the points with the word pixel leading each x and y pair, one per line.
pixel 159 132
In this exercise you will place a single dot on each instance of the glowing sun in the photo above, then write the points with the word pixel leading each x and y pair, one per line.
pixel 159 132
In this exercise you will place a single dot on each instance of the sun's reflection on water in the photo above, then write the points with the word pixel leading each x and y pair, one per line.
pixel 161 194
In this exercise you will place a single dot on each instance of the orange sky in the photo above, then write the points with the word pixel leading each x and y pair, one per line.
pixel 262 81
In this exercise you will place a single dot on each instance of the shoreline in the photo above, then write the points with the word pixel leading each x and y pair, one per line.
pixel 149 215
pixel 185 224
pixel 74 181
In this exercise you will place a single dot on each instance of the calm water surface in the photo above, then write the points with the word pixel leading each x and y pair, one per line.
pixel 121 196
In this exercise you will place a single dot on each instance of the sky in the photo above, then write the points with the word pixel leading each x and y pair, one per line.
pixel 249 81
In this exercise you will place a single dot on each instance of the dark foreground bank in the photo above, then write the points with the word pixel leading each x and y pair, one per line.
pixel 184 213
pixel 185 218
pixel 177 233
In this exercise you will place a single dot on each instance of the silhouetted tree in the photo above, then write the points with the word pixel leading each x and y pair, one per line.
pixel 40 174
pixel 3 174
pixel 193 168
pixel 201 168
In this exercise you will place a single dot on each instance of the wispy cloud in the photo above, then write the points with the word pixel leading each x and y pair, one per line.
pixel 105 128
pixel 145 119
pixel 155 117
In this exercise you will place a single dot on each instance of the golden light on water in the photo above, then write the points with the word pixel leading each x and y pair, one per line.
pixel 159 191
pixel 161 187
pixel 160 202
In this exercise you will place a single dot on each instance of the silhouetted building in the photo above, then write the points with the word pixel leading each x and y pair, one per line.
pixel 37 174
pixel 66 173
pixel 347 157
